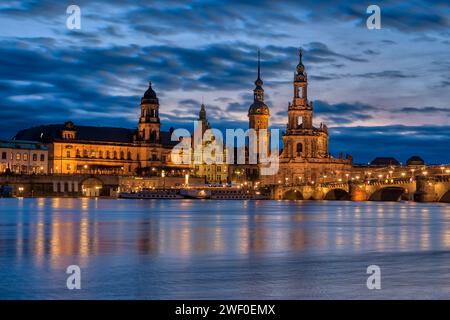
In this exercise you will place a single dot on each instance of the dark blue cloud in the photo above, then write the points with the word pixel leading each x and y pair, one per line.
pixel 200 48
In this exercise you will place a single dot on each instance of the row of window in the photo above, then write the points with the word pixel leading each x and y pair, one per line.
pixel 107 155
pixel 19 156
pixel 24 169
pixel 110 155
pixel 209 168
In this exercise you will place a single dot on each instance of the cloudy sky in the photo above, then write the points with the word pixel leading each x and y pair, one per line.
pixel 382 92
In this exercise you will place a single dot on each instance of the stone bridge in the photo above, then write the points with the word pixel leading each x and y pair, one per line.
pixel 420 188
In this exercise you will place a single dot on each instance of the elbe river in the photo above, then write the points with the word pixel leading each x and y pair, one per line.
pixel 206 249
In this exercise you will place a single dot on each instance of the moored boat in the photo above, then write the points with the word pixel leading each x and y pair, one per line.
pixel 152 194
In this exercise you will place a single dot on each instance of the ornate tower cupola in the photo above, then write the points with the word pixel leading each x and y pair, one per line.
pixel 258 113
pixel 149 123
pixel 300 107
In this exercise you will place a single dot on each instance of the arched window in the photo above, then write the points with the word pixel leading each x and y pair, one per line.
pixel 100 154
pixel 129 155
pixel 299 148
pixel 115 155
pixel 122 155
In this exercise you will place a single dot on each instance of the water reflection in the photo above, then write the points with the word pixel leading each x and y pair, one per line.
pixel 82 228
pixel 53 233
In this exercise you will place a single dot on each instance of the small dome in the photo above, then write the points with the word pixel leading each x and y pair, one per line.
pixel 384 161
pixel 149 95
pixel 258 107
pixel 69 125
pixel 415 161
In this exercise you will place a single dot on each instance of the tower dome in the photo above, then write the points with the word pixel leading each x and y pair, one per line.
pixel 258 107
pixel 150 96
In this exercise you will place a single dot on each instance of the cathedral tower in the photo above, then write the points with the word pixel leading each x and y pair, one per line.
pixel 300 108
pixel 149 123
pixel 302 140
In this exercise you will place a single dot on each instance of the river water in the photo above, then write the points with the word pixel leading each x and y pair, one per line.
pixel 204 249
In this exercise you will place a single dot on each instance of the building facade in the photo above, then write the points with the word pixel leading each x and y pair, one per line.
pixel 23 157
pixel 214 170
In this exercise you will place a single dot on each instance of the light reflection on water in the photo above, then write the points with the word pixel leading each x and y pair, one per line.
pixel 193 249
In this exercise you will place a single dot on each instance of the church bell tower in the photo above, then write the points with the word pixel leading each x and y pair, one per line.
pixel 149 123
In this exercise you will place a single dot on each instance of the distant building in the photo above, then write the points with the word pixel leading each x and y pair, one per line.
pixel 25 157
pixel 415 161
pixel 384 162
pixel 215 172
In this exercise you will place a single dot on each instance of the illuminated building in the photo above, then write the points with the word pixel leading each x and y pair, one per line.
pixel 26 157
pixel 215 171
pixel 108 150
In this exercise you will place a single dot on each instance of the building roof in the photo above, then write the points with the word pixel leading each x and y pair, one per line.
pixel 22 144
pixel 415 161
pixel 52 132
pixel 384 161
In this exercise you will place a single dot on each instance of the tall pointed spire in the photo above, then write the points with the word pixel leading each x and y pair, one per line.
pixel 258 92
pixel 300 66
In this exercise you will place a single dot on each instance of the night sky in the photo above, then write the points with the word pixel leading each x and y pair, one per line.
pixel 382 92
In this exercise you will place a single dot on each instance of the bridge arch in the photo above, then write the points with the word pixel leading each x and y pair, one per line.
pixel 293 194
pixel 445 197
pixel 337 194
pixel 391 193
pixel 91 187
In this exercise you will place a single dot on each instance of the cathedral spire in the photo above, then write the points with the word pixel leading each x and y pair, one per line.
pixel 300 66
